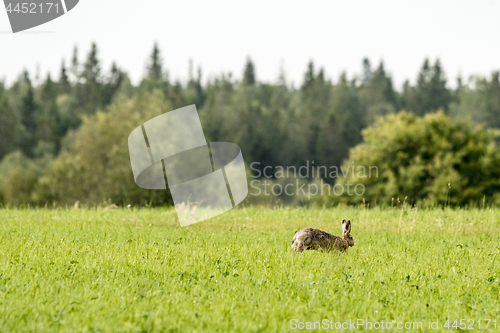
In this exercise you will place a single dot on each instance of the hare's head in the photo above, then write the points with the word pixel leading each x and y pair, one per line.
pixel 346 232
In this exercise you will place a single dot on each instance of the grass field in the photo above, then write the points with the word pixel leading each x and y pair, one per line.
pixel 114 270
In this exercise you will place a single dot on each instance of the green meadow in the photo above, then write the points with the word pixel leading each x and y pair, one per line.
pixel 135 270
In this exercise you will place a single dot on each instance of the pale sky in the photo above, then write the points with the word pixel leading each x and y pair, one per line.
pixel 219 35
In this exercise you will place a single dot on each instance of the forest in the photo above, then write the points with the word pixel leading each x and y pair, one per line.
pixel 63 140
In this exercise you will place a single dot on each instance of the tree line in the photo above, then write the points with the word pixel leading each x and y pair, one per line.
pixel 55 128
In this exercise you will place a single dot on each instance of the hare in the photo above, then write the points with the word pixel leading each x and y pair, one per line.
pixel 309 238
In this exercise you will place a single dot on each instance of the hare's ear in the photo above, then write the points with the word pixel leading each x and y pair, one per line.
pixel 346 227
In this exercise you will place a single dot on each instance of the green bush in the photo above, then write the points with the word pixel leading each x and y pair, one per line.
pixel 433 159
pixel 18 179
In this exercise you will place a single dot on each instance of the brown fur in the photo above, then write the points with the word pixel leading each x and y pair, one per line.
pixel 309 238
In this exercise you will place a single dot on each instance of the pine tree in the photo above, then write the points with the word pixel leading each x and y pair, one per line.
pixel 8 124
pixel 113 83
pixel 28 114
pixel 378 97
pixel 349 116
pixel 249 73
pixel 314 108
pixel 92 68
pixel 194 93
pixel 308 77
pixel 64 85
pixel 367 71
pixel 440 95
pixel 199 89
pixel 383 83
pixel 90 92
pixel 75 65
pixel 431 93
pixel 48 122
pixel 155 64
pixel 491 98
